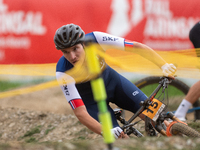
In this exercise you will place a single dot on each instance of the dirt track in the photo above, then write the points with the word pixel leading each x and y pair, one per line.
pixel 46 116
pixel 43 111
pixel 49 100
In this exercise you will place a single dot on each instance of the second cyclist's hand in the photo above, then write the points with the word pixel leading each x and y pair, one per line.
pixel 168 70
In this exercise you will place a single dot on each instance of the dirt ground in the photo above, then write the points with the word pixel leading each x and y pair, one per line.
pixel 46 113
pixel 48 100
pixel 45 116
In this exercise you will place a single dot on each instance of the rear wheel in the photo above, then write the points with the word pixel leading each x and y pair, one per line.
pixel 176 92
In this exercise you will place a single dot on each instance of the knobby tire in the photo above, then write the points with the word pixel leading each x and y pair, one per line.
pixel 180 128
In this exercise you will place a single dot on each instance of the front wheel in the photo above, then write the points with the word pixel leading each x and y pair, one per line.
pixel 180 128
pixel 177 90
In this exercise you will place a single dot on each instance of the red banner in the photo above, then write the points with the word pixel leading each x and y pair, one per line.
pixel 27 27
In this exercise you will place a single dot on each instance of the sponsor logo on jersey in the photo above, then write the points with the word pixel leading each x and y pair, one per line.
pixel 135 93
pixel 106 38
pixel 65 87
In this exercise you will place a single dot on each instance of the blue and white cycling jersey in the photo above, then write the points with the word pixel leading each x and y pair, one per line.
pixel 120 91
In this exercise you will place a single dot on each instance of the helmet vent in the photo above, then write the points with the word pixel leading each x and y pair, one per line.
pixel 64 36
pixel 70 34
pixel 60 38
pixel 76 35
pixel 81 35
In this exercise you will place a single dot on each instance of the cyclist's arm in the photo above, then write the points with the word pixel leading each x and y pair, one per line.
pixel 74 99
pixel 107 41
pixel 147 53
pixel 83 116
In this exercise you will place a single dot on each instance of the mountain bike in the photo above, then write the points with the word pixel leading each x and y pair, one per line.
pixel 177 90
pixel 154 108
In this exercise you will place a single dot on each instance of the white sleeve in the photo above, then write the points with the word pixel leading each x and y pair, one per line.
pixel 107 39
pixel 67 85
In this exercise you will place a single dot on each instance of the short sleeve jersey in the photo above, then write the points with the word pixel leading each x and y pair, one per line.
pixel 70 90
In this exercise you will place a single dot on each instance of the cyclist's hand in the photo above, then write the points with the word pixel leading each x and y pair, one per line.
pixel 168 70
pixel 117 131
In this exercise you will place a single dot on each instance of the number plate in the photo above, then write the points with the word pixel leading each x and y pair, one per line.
pixel 154 109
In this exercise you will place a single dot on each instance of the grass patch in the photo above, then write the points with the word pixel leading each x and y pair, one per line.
pixel 32 131
pixel 31 140
pixel 172 96
pixel 195 125
pixel 9 85
pixel 48 130
pixel 172 91
pixel 29 135
pixel 81 138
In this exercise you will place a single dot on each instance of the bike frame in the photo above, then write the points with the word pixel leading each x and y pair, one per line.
pixel 145 106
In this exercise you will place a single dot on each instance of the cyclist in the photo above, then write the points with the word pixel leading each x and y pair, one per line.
pixel 120 91
pixel 193 94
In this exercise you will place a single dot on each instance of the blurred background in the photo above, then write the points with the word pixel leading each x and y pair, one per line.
pixel 27 27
